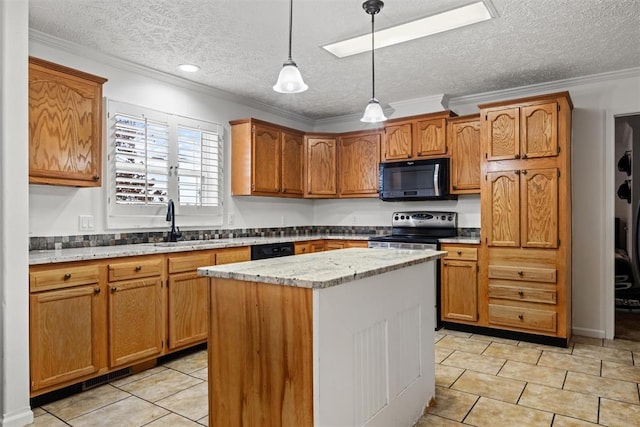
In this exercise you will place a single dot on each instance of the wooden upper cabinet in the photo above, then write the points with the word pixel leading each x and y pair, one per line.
pixel 429 138
pixel 398 141
pixel 321 167
pixel 292 160
pixel 266 159
pixel 525 132
pixel 65 125
pixel 416 137
pixel 539 210
pixel 521 208
pixel 463 135
pixel 358 157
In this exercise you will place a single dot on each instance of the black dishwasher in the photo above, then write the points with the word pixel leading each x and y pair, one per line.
pixel 272 250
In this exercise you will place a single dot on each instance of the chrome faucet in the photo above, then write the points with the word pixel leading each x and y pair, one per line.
pixel 175 233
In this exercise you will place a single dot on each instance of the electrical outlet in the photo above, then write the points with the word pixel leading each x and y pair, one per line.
pixel 86 223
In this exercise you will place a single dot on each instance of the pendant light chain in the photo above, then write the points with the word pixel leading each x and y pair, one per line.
pixel 290 26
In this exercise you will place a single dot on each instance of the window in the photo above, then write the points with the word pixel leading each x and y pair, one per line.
pixel 154 157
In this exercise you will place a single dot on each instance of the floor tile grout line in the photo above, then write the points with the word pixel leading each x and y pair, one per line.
pixel 95 409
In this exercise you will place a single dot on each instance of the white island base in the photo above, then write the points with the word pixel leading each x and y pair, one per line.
pixel 347 351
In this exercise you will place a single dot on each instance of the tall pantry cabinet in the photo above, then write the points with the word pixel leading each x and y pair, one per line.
pixel 526 214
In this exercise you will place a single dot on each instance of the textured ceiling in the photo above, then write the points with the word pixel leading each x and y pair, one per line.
pixel 241 45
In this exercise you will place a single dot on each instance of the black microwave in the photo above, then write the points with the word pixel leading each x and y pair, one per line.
pixel 415 180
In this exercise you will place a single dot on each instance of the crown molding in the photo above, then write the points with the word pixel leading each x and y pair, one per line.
pixel 83 51
pixel 425 104
pixel 552 86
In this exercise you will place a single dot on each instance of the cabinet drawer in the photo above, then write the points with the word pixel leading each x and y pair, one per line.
pixel 520 317
pixel 181 264
pixel 64 277
pixel 302 248
pixel 135 269
pixel 228 256
pixel 530 274
pixel 521 293
pixel 465 254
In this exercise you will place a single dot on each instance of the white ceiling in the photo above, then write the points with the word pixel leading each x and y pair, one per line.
pixel 241 45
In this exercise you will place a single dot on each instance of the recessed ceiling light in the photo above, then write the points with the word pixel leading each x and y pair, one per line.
pixel 189 68
pixel 445 21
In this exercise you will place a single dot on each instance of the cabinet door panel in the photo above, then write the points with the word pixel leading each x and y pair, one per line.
pixel 503 134
pixel 539 130
pixel 266 159
pixel 465 157
pixel 135 320
pixel 292 161
pixel 227 256
pixel 188 318
pixel 398 141
pixel 503 206
pixel 459 290
pixel 359 158
pixel 65 328
pixel 429 138
pixel 539 188
pixel 321 167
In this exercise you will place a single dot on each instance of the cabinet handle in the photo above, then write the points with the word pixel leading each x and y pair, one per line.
pixel 138 267
pixel 284 190
pixel 524 171
pixel 521 293
pixel 455 187
pixel 520 273
pixel 517 156
pixel 444 263
pixel 114 289
pixel 521 316
pixel 96 291
pixel 67 276
pixel 524 156
pixel 96 177
pixel 517 172
pixel 459 252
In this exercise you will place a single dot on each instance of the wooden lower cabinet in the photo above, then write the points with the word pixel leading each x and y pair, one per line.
pixel 459 283
pixel 227 256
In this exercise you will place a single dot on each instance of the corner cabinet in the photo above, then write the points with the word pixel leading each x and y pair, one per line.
pixel 266 159
pixel 358 160
pixel 525 200
pixel 463 136
pixel 416 137
pixel 65 125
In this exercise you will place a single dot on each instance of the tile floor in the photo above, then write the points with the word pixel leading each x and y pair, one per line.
pixel 480 381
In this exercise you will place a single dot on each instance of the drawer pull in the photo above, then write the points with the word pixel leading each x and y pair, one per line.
pixel 114 289
pixel 521 316
pixel 520 273
pixel 444 263
pixel 67 276
pixel 459 252
pixel 96 291
pixel 521 293
pixel 138 267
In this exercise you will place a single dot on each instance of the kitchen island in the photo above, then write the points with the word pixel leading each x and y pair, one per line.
pixel 340 338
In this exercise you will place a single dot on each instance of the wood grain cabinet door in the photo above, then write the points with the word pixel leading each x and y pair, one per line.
pixel 539 130
pixel 502 134
pixel 66 329
pixel 321 165
pixel 359 157
pixel 501 208
pixel 398 141
pixel 459 290
pixel 265 159
pixel 187 307
pixel 429 138
pixel 65 125
pixel 464 146
pixel 135 320
pixel 292 161
pixel 539 194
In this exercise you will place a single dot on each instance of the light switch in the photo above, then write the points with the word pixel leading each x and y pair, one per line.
pixel 85 222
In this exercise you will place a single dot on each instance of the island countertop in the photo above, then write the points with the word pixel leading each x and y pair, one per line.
pixel 322 269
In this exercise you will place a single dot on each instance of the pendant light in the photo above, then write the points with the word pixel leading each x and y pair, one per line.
pixel 290 79
pixel 373 113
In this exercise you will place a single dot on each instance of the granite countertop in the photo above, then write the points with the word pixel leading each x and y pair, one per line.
pixel 322 269
pixel 462 240
pixel 103 252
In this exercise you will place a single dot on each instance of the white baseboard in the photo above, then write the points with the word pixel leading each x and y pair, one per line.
pixel 17 419
pixel 586 332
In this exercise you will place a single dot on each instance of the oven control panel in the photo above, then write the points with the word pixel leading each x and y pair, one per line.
pixel 425 219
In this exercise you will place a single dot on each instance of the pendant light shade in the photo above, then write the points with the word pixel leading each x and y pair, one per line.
pixel 290 79
pixel 373 112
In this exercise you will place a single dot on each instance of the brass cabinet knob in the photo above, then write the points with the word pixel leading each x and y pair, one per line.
pixel 96 291
pixel 444 263
pixel 459 252
pixel 524 156
pixel 96 177
pixel 67 276
pixel 138 267
pixel 524 171
pixel 114 289
pixel 520 273
pixel 521 316
pixel 521 293
pixel 517 156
